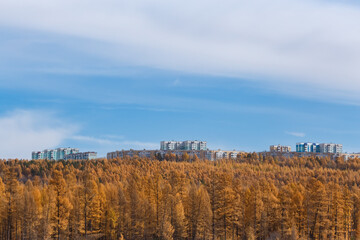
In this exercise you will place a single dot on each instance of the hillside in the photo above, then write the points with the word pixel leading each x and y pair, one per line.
pixel 247 198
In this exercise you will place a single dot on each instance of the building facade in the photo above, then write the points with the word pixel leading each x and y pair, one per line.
pixel 308 147
pixel 53 154
pixel 319 148
pixel 81 156
pixel 280 148
pixel 221 154
pixel 132 153
pixel 184 145
pixel 299 154
pixel 330 148
pixel 37 155
pixel 200 154
pixel 348 156
pixel 169 145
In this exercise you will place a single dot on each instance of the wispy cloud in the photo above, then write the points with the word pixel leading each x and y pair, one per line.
pixel 24 131
pixel 93 140
pixel 123 144
pixel 296 134
pixel 112 136
pixel 141 145
pixel 280 41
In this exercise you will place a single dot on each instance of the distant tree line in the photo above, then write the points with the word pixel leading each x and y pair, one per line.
pixel 252 197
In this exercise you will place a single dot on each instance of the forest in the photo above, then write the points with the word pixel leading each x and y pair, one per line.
pixel 251 197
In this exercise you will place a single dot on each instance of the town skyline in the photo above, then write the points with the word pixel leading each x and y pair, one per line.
pixel 197 147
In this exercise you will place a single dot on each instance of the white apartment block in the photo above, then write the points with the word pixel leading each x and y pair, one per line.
pixel 220 154
pixel 81 156
pixel 280 148
pixel 348 156
pixel 209 154
pixel 131 153
pixel 330 148
pixel 184 145
pixel 169 145
pixel 53 154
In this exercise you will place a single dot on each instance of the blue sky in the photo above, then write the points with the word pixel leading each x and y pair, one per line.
pixel 118 75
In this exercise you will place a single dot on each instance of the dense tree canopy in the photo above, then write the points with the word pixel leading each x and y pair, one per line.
pixel 252 197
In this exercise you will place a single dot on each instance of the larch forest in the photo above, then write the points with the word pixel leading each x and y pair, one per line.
pixel 251 197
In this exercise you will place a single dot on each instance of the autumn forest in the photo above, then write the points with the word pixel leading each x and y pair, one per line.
pixel 252 197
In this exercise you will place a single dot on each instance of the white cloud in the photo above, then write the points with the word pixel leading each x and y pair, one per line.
pixel 296 134
pixel 24 131
pixel 297 42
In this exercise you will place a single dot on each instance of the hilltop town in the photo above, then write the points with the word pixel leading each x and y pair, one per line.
pixel 198 149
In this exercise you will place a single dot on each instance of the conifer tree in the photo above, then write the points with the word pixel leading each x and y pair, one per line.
pixel 11 198
pixel 30 212
pixel 62 205
pixel 136 211
pixel 2 206
pixel 315 201
pixel 178 218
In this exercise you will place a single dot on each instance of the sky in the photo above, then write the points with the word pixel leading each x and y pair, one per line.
pixel 110 75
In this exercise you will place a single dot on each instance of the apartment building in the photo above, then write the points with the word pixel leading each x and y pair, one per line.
pixel 169 145
pixel 132 153
pixel 200 154
pixel 319 148
pixel 53 154
pixel 81 156
pixel 184 145
pixel 280 148
pixel 308 147
pixel 330 148
pixel 37 155
pixel 220 154
pixel 299 154
pixel 348 156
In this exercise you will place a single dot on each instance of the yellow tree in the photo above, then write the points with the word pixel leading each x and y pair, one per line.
pixel 291 198
pixel 89 201
pixel 11 196
pixel 347 208
pixel 269 219
pixel 315 204
pixel 356 212
pixel 204 214
pixel 99 209
pixel 62 205
pixel 185 157
pixel 178 217
pixel 136 210
pixel 30 212
pixel 225 212
pixel 123 213
pixel 253 208
pixel 336 213
pixel 2 205
pixel 166 228
pixel 157 192
pixel 224 206
pixel 76 214
pixel 45 199
pixel 108 207
pixel 198 213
